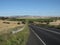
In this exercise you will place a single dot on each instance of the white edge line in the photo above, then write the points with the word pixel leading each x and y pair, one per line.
pixel 38 37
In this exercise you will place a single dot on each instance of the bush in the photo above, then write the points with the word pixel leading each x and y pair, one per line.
pixel 6 22
pixel 18 23
pixel 23 22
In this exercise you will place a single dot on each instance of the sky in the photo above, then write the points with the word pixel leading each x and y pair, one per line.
pixel 30 7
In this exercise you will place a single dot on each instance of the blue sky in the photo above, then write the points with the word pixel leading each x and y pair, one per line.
pixel 30 7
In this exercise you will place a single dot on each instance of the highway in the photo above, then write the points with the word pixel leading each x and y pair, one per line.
pixel 48 36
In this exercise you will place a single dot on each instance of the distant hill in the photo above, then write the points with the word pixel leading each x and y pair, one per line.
pixel 29 17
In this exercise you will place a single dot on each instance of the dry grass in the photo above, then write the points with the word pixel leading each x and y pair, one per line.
pixel 55 23
pixel 39 23
pixel 4 27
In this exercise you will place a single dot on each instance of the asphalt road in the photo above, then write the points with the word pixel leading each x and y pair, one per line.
pixel 48 36
pixel 33 40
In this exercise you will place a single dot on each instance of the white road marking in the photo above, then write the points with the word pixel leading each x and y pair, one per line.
pixel 38 37
pixel 48 30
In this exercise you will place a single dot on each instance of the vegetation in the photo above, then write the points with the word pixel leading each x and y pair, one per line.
pixel 47 21
pixel 41 20
pixel 3 18
pixel 19 38
pixel 6 22
pixel 15 19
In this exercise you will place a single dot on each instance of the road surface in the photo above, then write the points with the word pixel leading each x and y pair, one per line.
pixel 48 36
